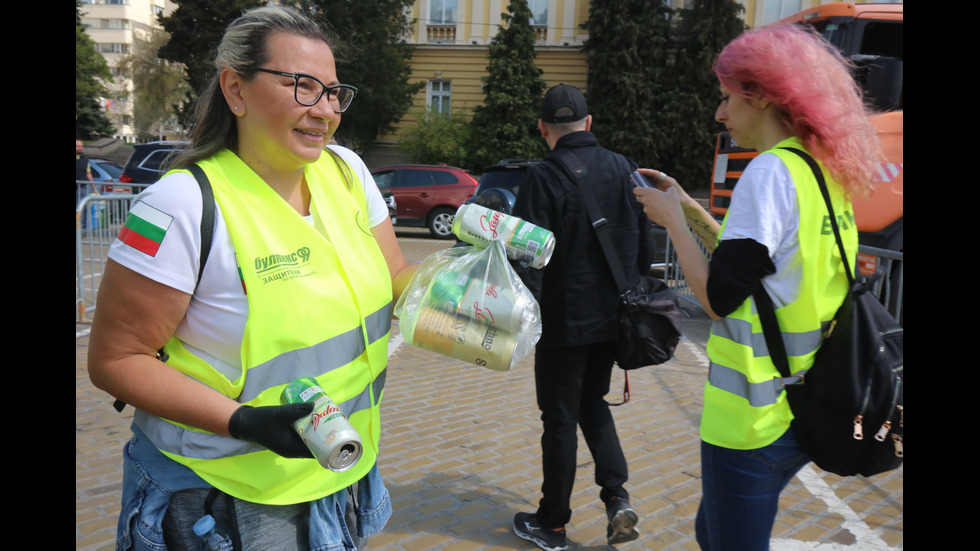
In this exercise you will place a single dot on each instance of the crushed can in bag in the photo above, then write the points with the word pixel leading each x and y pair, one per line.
pixel 334 442
pixel 524 241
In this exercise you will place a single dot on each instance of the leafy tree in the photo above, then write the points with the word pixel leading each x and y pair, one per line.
pixel 373 56
pixel 195 29
pixel 158 85
pixel 91 74
pixel 706 26
pixel 436 138
pixel 627 53
pixel 505 126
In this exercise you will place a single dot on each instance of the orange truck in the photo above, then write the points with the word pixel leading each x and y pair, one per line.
pixel 871 36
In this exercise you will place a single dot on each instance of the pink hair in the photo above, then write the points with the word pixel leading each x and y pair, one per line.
pixel 809 81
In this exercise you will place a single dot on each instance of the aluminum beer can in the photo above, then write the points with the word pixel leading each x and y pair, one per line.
pixel 478 225
pixel 487 301
pixel 334 442
pixel 460 336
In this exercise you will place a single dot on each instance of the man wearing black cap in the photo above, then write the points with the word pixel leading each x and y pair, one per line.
pixel 579 303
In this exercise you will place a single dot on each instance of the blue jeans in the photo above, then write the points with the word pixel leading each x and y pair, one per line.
pixel 151 478
pixel 741 493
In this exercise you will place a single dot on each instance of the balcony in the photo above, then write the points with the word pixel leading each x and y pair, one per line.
pixel 441 34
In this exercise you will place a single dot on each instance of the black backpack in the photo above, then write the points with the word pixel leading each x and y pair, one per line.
pixel 848 409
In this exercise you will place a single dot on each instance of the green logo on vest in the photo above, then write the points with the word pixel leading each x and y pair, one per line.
pixel 844 222
pixel 280 267
pixel 362 223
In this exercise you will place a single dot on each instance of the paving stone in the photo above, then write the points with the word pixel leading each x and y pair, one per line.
pixel 460 454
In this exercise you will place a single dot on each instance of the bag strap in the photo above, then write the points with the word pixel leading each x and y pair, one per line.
pixel 763 302
pixel 207 215
pixel 574 168
pixel 770 330
pixel 207 233
pixel 577 172
pixel 830 207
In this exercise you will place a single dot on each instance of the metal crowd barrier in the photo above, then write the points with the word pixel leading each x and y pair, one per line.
pixel 97 221
pixel 885 268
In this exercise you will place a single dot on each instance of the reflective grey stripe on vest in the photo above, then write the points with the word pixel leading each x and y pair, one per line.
pixel 763 393
pixel 177 440
pixel 740 332
pixel 324 357
pixel 758 394
pixel 319 358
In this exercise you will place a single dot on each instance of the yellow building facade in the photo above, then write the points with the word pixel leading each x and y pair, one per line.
pixel 452 37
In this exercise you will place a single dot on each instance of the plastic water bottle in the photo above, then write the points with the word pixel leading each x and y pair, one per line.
pixel 212 538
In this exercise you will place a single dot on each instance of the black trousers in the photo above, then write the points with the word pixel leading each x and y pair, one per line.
pixel 571 384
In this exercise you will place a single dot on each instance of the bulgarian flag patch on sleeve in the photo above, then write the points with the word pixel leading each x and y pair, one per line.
pixel 144 229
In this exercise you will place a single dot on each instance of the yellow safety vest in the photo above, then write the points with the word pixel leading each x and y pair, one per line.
pixel 320 305
pixel 744 403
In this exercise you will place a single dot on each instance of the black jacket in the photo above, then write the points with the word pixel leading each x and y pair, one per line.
pixel 576 291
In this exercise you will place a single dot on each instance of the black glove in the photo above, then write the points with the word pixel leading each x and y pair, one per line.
pixel 272 427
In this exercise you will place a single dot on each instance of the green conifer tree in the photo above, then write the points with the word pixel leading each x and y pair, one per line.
pixel 505 125
pixel 705 27
pixel 627 57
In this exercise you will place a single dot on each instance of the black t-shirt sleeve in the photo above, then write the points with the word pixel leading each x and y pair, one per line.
pixel 736 269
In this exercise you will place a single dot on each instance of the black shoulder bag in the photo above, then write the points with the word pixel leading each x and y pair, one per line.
pixel 848 409
pixel 207 232
pixel 650 319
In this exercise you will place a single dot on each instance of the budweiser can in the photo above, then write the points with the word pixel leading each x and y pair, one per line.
pixel 522 240
pixel 326 432
pixel 460 336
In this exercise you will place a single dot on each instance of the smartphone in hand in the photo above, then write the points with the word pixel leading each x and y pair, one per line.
pixel 639 180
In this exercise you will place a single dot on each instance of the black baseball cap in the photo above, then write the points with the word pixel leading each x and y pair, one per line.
pixel 564 95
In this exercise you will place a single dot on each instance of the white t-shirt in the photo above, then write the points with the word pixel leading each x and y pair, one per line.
pixel 215 319
pixel 765 209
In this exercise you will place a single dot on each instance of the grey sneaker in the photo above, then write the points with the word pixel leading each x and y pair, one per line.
pixel 622 521
pixel 526 526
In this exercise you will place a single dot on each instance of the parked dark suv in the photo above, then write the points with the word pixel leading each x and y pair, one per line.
pixel 149 161
pixel 507 175
pixel 427 196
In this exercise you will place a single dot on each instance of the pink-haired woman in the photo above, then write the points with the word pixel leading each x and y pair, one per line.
pixel 781 87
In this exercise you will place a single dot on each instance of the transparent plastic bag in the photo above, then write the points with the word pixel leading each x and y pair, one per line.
pixel 468 303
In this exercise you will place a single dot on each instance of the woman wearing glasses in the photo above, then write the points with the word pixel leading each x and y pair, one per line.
pixel 299 282
pixel 775 239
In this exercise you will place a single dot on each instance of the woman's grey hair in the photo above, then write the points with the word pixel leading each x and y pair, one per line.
pixel 243 49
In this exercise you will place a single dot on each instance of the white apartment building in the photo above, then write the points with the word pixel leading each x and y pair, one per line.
pixel 112 25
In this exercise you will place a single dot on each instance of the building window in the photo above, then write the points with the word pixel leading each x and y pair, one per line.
pixel 442 12
pixel 112 48
pixel 539 12
pixel 775 10
pixel 439 93
pixel 441 28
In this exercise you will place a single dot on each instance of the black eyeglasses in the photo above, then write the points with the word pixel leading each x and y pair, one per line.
pixel 307 90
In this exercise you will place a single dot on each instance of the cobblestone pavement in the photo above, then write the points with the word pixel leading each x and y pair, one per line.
pixel 460 456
